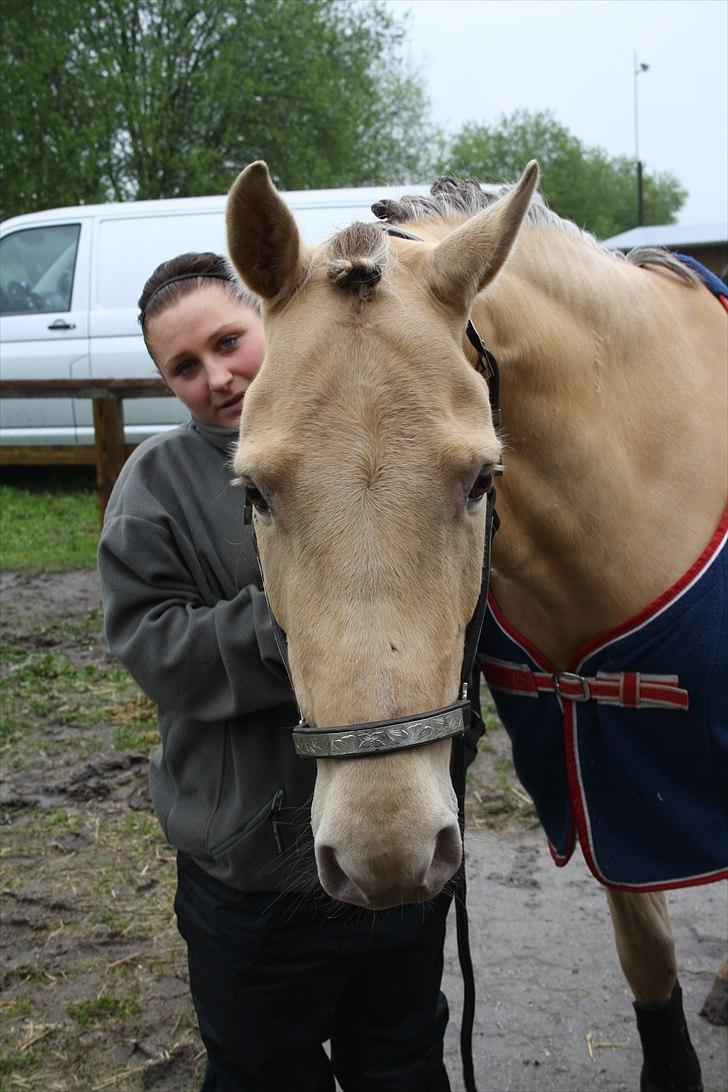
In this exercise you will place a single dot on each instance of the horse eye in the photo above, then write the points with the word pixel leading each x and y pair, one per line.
pixel 481 485
pixel 254 496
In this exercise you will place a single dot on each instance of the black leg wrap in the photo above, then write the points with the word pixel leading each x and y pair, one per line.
pixel 670 1062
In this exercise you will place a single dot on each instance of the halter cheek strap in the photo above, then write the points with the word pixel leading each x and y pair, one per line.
pixel 487 365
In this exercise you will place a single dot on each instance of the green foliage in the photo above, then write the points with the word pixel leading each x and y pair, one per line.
pixel 53 115
pixel 120 99
pixel 49 520
pixel 131 99
pixel 581 183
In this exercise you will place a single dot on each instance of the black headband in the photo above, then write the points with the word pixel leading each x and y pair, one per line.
pixel 184 277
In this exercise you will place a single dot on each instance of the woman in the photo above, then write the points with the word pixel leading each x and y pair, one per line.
pixel 276 968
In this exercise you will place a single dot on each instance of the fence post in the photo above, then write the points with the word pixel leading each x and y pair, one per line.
pixel 109 444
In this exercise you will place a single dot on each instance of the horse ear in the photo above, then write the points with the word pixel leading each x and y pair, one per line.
pixel 263 239
pixel 471 255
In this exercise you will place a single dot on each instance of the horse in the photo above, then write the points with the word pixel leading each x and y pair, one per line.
pixel 368 449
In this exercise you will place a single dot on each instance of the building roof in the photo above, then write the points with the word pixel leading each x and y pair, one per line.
pixel 670 235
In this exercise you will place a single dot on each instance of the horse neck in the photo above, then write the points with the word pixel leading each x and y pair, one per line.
pixel 592 422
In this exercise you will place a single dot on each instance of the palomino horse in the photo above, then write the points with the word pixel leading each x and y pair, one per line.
pixel 368 447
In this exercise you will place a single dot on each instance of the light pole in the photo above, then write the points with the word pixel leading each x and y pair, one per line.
pixel 639 68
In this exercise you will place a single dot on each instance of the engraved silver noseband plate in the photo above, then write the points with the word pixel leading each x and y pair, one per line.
pixel 379 737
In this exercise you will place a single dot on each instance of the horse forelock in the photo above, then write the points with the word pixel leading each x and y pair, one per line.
pixel 356 259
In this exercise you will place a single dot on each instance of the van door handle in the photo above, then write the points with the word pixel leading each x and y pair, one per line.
pixel 61 324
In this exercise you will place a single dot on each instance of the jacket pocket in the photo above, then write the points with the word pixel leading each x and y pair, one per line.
pixel 270 810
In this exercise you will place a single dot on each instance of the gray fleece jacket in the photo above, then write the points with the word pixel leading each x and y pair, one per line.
pixel 185 613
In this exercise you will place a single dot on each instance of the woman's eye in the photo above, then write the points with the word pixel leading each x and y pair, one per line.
pixel 228 342
pixel 186 368
pixel 481 485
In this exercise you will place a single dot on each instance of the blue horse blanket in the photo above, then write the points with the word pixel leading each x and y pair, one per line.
pixel 627 749
pixel 718 287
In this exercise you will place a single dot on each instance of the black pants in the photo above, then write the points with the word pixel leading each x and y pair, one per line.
pixel 274 976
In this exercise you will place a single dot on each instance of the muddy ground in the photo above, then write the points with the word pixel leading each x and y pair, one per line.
pixel 93 971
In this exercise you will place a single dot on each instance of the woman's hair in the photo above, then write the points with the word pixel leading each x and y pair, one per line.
pixel 182 276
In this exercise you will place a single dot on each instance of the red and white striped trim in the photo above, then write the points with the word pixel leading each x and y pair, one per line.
pixel 629 689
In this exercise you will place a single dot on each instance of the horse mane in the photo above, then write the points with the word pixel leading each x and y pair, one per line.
pixel 451 197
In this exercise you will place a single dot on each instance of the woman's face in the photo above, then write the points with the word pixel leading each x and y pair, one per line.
pixel 209 348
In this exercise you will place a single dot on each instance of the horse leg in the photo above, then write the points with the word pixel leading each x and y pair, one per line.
pixel 647 954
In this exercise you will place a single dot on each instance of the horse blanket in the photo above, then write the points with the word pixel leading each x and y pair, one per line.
pixel 627 749
pixel 712 282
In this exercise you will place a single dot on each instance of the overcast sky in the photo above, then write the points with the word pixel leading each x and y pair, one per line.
pixel 483 58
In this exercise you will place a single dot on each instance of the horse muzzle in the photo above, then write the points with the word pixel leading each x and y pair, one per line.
pixel 405 878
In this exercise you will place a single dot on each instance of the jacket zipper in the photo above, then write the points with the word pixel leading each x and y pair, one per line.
pixel 272 809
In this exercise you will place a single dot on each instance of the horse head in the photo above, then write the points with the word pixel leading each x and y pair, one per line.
pixel 367 445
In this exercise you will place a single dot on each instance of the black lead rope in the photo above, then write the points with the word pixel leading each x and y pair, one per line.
pixel 462 931
pixel 471 677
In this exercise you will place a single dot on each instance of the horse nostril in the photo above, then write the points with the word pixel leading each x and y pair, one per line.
pixel 328 865
pixel 334 880
pixel 446 857
pixel 448 844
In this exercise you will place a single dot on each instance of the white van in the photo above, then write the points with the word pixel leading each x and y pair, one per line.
pixel 69 282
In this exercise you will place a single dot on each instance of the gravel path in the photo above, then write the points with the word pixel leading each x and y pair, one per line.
pixel 553 1010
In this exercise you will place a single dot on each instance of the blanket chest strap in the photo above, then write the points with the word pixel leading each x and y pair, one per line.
pixel 629 689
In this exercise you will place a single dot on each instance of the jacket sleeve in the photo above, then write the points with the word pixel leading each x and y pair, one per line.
pixel 211 662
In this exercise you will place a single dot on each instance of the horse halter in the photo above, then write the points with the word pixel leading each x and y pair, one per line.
pixel 451 721
pixel 403 733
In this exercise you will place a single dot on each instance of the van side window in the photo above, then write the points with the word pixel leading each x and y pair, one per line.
pixel 36 269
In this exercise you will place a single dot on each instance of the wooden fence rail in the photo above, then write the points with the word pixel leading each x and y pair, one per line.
pixel 109 452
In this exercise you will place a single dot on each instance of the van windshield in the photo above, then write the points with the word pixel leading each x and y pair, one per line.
pixel 36 269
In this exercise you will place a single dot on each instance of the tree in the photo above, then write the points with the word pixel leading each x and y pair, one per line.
pixel 581 183
pixel 52 136
pixel 131 99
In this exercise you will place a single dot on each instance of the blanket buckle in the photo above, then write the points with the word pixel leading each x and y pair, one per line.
pixel 560 677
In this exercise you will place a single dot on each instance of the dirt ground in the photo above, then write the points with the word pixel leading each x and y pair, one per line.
pixel 93 971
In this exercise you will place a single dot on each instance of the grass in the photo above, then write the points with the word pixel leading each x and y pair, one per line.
pixel 20 1007
pixel 87 1012
pixel 49 519
pixel 13 1061
pixel 77 709
pixel 43 686
pixel 98 963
